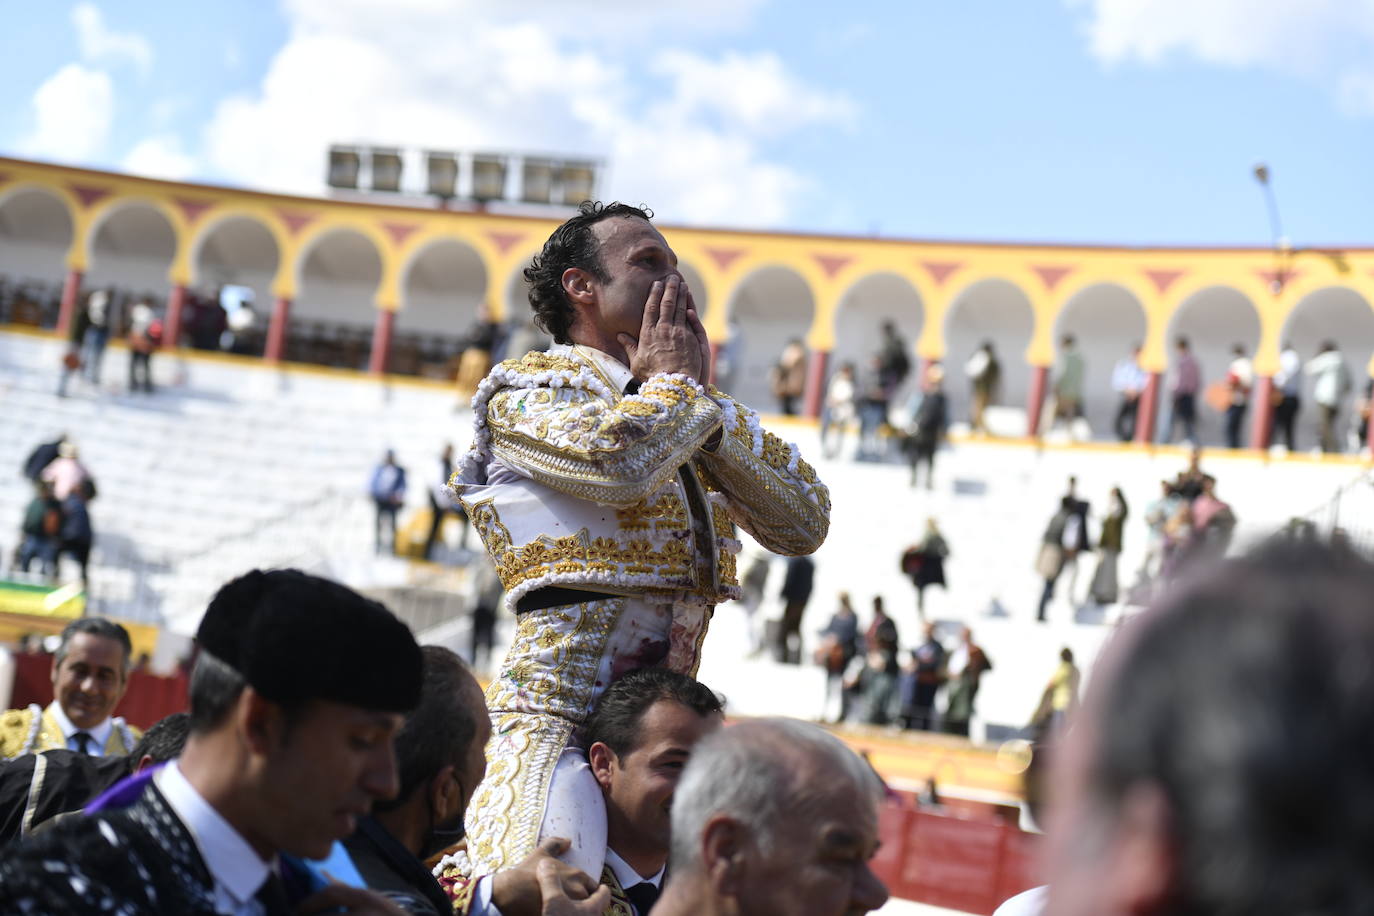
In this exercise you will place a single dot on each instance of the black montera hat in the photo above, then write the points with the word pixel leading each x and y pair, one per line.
pixel 296 637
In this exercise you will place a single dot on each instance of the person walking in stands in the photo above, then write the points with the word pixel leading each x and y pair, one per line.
pixel 789 376
pixel 985 374
pixel 441 504
pixel 144 334
pixel 66 472
pixel 966 666
pixel 1288 386
pixel 1330 385
pixel 1128 381
pixel 872 401
pixel 1104 588
pixel 1240 378
pixel 1059 699
pixel 1068 384
pixel 41 531
pixel 76 535
pixel 839 644
pixel 928 426
pixel 1183 390
pixel 1051 560
pixel 388 490
pixel 922 676
pixel 796 592
pixel 42 456
pixel 925 564
pixel 839 410
pixel 882 629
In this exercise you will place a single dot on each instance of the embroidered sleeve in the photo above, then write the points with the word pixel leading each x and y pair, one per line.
pixel 770 491
pixel 578 440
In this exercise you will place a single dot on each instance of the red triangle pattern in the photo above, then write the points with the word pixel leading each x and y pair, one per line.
pixel 724 257
pixel 505 241
pixel 1050 276
pixel 191 209
pixel 1163 279
pixel 295 220
pixel 940 270
pixel 831 263
pixel 399 232
pixel 88 195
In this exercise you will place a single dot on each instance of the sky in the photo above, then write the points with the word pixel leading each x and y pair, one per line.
pixel 1095 121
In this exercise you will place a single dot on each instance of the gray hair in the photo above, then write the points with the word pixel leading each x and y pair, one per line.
pixel 755 772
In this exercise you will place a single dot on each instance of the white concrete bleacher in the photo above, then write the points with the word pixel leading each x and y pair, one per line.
pixel 231 464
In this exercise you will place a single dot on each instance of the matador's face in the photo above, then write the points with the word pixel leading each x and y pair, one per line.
pixel 634 255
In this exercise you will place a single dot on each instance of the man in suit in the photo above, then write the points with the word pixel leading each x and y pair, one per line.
pixel 90 673
pixel 639 738
pixel 296 698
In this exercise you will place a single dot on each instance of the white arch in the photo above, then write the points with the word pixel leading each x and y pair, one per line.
pixel 36 233
pixel 1213 320
pixel 997 311
pixel 770 307
pixel 1106 321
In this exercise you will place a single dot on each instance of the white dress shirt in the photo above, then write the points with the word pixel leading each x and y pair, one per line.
pixel 238 870
pixel 100 734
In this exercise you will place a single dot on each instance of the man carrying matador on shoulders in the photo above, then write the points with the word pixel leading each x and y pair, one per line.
pixel 606 480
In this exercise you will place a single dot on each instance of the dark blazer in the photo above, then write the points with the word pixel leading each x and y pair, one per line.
pixel 391 869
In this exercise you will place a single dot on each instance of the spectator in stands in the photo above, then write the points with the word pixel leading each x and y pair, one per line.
pixel 480 341
pixel 484 599
pixel 1189 483
pixel 796 592
pixel 756 563
pixel 773 817
pixel 896 363
pixel 90 672
pixel 440 761
pixel 788 376
pixel 872 403
pixel 441 504
pixel 1059 699
pixel 1183 391
pixel 41 531
pixel 66 473
pixel 873 679
pixel 1104 588
pixel 882 631
pixel 96 335
pixel 1240 378
pixel 1288 388
pixel 840 643
pixel 43 455
pixel 297 696
pixel 838 412
pixel 145 332
pixel 925 563
pixel 922 676
pixel 1157 516
pixel 76 535
pixel 1213 522
pixel 639 738
pixel 1068 384
pixel 388 490
pixel 985 374
pixel 1330 387
pixel 966 666
pixel 1128 381
pixel 37 789
pixel 1065 538
pixel 729 357
pixel 928 425
pixel 1221 762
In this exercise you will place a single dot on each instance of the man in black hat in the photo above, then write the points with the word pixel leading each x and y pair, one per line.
pixel 298 693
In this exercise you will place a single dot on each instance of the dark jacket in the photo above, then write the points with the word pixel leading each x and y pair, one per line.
pixel 66 782
pixel 796 585
pixel 391 869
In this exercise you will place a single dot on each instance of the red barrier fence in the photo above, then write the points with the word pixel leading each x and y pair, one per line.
pixel 148 699
pixel 953 862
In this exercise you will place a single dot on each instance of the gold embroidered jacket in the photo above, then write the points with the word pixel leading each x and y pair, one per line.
pixel 33 729
pixel 571 483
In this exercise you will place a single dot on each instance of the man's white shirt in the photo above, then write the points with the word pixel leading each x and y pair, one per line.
pixel 100 734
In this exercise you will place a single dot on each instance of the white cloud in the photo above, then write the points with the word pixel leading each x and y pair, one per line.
pixel 100 44
pixel 73 110
pixel 161 156
pixel 1328 42
pixel 687 132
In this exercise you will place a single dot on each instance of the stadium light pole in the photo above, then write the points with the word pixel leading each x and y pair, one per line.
pixel 1262 428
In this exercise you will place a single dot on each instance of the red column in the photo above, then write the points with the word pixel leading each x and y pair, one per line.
pixel 1147 411
pixel 1263 405
pixel 71 290
pixel 1040 376
pixel 171 330
pixel 381 341
pixel 815 383
pixel 276 331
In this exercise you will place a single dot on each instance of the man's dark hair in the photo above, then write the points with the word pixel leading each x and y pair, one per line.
pixel 571 245
pixel 440 730
pixel 164 740
pixel 1245 698
pixel 96 626
pixel 215 688
pixel 615 721
pixel 1181 342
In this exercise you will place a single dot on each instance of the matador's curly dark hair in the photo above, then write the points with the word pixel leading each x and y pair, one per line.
pixel 571 245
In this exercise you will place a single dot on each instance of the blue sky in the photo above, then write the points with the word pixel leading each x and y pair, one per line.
pixel 1109 121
